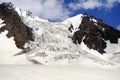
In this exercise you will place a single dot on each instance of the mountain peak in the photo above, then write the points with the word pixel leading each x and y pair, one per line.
pixel 48 41
pixel 94 33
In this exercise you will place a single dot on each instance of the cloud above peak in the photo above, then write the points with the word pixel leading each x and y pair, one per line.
pixel 57 10
pixel 47 9
pixel 54 9
pixel 91 4
pixel 85 4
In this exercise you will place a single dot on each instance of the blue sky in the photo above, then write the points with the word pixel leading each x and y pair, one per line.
pixel 58 10
pixel 109 15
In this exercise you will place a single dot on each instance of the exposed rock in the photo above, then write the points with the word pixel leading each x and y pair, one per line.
pixel 94 33
pixel 70 28
pixel 14 25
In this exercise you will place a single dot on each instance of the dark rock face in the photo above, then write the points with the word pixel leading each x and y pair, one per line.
pixel 95 33
pixel 70 28
pixel 14 25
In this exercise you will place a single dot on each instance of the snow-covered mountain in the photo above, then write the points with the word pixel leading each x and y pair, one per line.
pixel 25 38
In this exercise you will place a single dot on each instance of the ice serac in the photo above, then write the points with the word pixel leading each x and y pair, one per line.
pixel 14 25
pixel 94 33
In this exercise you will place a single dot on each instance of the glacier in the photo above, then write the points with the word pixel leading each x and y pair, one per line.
pixel 53 44
pixel 58 58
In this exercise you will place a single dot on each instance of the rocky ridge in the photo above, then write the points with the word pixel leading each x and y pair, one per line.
pixel 94 33
pixel 14 25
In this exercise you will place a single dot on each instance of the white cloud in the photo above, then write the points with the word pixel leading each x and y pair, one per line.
pixel 48 9
pixel 55 9
pixel 91 4
pixel 85 4
pixel 110 3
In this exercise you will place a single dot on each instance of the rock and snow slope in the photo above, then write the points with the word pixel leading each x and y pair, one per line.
pixel 52 46
pixel 53 43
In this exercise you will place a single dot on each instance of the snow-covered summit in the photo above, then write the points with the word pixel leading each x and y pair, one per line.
pixel 24 13
pixel 75 21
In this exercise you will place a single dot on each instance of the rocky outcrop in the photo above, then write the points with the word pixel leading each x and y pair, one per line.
pixel 14 25
pixel 94 32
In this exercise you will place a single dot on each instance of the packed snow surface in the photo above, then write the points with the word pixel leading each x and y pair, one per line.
pixel 57 73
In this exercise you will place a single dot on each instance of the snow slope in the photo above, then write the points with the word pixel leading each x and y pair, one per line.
pixel 1 23
pixel 8 49
pixel 57 73
pixel 75 21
